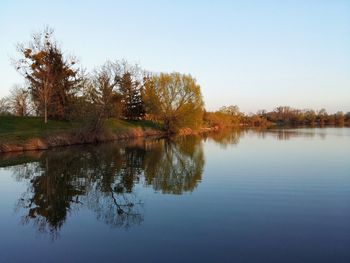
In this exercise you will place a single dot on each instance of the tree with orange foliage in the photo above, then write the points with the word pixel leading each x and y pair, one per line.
pixel 52 77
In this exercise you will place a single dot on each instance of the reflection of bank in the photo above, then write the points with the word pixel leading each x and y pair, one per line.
pixel 226 137
pixel 102 178
pixel 288 134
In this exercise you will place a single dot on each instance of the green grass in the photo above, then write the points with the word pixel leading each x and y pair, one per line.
pixel 116 125
pixel 19 129
pixel 22 128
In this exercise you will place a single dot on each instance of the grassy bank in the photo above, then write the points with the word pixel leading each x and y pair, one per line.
pixel 20 129
pixel 31 133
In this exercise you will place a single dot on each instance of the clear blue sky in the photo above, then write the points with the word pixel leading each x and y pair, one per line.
pixel 256 54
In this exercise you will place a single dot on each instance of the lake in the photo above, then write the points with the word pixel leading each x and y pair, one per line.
pixel 232 196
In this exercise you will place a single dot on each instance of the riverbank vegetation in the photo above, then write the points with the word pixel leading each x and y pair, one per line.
pixel 59 96
pixel 58 88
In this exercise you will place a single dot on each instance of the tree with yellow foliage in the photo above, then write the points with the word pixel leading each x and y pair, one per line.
pixel 175 99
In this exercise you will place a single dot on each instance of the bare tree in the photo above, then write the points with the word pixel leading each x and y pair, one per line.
pixel 19 100
pixel 103 90
pixel 4 106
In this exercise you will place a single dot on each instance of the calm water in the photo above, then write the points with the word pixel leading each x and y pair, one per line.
pixel 277 196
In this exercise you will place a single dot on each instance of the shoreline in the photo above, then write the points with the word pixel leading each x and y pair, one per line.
pixel 69 139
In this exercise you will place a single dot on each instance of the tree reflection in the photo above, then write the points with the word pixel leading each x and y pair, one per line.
pixel 175 166
pixel 226 137
pixel 109 179
pixel 103 178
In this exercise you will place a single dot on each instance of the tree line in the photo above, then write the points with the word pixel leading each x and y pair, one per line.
pixel 281 115
pixel 285 115
pixel 58 88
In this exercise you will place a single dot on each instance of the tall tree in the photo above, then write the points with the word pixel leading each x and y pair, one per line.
pixel 130 84
pixel 339 118
pixel 322 116
pixel 178 99
pixel 52 77
pixel 233 113
pixel 310 117
pixel 104 90
pixel 150 98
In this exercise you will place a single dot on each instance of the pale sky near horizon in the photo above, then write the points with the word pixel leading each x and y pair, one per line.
pixel 254 54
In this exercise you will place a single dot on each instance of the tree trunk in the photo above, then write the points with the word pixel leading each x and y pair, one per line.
pixel 45 113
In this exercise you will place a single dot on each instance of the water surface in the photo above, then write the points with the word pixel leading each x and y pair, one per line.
pixel 233 196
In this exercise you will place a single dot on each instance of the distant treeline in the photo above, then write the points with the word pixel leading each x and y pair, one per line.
pixel 285 115
pixel 282 115
pixel 56 87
